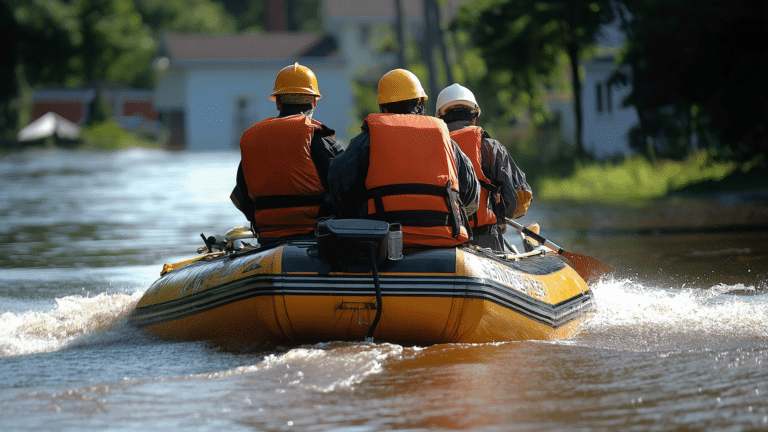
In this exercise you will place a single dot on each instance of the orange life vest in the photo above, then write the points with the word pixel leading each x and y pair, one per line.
pixel 412 179
pixel 469 140
pixel 281 177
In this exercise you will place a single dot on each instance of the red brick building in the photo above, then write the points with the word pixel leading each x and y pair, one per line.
pixel 74 104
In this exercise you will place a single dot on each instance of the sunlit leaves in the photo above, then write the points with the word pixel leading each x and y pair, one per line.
pixel 523 43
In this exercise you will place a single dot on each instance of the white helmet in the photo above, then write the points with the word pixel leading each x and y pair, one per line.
pixel 453 95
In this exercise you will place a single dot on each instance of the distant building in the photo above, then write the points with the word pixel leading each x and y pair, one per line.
pixel 74 103
pixel 606 123
pixel 354 23
pixel 210 89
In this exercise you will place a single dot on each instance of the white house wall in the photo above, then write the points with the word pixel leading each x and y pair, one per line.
pixel 337 107
pixel 211 114
pixel 606 129
pixel 170 90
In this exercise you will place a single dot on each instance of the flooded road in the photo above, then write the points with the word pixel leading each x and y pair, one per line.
pixel 679 338
pixel 683 240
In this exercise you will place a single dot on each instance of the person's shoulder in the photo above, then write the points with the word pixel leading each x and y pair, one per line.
pixel 489 140
pixel 484 133
pixel 324 130
pixel 361 138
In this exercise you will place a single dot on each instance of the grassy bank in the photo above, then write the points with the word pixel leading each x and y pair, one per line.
pixel 109 135
pixel 636 178
pixel 103 136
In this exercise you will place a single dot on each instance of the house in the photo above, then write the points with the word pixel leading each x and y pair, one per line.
pixel 127 105
pixel 211 89
pixel 606 123
pixel 356 24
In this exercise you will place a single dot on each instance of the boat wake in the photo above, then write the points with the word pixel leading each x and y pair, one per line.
pixel 75 321
pixel 322 367
pixel 628 315
pixel 632 316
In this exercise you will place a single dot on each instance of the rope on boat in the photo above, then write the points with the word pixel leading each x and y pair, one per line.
pixel 376 282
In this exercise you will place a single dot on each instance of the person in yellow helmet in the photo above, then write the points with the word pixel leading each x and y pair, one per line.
pixel 404 168
pixel 282 178
pixel 505 192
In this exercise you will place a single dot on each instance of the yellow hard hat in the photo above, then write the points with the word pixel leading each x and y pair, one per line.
pixel 295 79
pixel 399 85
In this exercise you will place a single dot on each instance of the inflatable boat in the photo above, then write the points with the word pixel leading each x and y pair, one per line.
pixel 353 281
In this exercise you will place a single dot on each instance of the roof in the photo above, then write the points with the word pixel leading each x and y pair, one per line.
pixel 266 45
pixel 47 125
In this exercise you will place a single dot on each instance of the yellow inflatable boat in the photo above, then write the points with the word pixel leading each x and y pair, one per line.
pixel 354 282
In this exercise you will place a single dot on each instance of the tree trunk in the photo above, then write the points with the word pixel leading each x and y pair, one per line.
pixel 429 46
pixel 400 30
pixel 441 41
pixel 573 54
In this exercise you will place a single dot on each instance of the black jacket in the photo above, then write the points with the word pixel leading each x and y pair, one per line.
pixel 501 170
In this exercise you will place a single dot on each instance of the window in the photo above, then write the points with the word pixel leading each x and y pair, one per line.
pixel 244 117
pixel 599 98
pixel 603 98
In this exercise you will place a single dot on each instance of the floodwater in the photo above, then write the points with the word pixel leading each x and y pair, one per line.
pixel 679 338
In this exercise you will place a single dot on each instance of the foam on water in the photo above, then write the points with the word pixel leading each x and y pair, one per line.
pixel 322 367
pixel 631 315
pixel 75 320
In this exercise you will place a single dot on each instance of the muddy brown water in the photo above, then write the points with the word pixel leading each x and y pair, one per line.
pixel 678 340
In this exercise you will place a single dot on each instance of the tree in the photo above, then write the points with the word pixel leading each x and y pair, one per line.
pixel 695 68
pixel 198 16
pixel 25 26
pixel 522 42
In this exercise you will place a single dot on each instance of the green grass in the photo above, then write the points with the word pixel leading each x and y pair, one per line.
pixel 636 178
pixel 110 136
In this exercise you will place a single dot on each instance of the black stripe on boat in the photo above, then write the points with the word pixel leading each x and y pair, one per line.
pixel 360 285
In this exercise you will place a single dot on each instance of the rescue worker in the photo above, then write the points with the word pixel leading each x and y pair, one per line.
pixel 505 192
pixel 282 178
pixel 404 168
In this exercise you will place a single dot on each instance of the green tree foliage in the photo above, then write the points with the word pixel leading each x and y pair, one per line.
pixel 114 44
pixel 523 43
pixel 37 39
pixel 196 16
pixel 696 68
pixel 77 42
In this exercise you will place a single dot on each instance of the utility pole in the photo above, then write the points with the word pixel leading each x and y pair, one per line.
pixel 441 41
pixel 429 44
pixel 400 29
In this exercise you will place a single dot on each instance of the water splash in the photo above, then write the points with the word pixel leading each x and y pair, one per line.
pixel 75 320
pixel 323 367
pixel 630 315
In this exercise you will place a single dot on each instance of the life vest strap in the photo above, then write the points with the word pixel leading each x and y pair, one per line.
pixel 408 189
pixel 421 218
pixel 498 205
pixel 416 218
pixel 491 187
pixel 287 201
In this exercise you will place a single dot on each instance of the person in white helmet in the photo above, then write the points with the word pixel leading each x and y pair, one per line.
pixel 505 192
